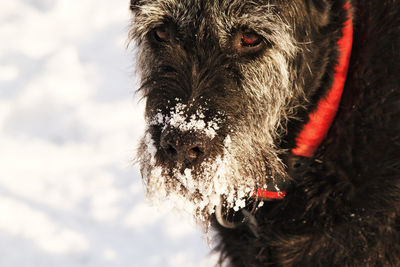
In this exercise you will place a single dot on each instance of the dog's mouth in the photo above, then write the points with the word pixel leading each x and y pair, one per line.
pixel 192 162
pixel 196 188
pixel 186 171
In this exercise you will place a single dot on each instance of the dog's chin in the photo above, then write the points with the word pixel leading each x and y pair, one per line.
pixel 198 189
pixel 221 180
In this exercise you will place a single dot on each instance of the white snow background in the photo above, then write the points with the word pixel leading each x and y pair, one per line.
pixel 69 126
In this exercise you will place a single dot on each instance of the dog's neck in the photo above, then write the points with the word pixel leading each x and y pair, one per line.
pixel 320 120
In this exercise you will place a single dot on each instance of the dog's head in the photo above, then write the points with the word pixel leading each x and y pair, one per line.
pixel 221 79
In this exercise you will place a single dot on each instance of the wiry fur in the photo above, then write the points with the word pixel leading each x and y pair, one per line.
pixel 344 206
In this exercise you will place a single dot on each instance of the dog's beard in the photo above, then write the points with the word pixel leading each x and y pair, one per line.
pixel 228 179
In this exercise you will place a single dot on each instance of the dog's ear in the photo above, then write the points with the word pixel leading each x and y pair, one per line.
pixel 320 5
pixel 320 10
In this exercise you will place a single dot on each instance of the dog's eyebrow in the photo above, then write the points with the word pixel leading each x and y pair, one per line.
pixel 241 8
pixel 151 14
pixel 263 19
pixel 147 18
pixel 251 15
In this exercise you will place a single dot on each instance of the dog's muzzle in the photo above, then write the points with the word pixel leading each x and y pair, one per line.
pixel 186 148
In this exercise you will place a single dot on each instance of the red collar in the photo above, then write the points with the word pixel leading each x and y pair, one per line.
pixel 320 120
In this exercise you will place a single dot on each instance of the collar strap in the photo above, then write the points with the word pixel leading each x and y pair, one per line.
pixel 265 194
pixel 320 120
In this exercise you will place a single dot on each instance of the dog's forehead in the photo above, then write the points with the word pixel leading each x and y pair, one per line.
pixel 199 6
pixel 181 8
pixel 203 16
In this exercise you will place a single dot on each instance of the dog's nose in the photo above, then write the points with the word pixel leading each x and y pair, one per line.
pixel 184 147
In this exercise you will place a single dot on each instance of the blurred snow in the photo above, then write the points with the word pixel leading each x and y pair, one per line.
pixel 69 124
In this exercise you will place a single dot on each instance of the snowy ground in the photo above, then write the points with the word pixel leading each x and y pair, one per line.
pixel 69 123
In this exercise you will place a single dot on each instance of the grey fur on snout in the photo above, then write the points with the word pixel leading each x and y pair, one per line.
pixel 199 69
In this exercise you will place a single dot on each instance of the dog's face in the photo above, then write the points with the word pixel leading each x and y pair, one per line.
pixel 221 79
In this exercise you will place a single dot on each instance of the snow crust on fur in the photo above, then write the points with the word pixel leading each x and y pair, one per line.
pixel 196 192
pixel 196 122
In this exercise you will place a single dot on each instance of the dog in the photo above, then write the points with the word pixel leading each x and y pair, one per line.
pixel 277 124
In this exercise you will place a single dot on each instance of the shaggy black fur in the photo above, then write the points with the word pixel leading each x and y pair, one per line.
pixel 344 205
pixel 344 209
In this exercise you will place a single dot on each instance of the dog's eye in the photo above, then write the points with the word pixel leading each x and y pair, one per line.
pixel 250 39
pixel 162 33
pixel 247 42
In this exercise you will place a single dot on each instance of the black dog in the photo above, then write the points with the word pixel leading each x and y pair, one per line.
pixel 278 123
